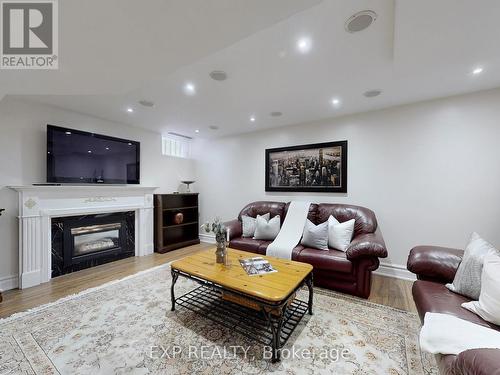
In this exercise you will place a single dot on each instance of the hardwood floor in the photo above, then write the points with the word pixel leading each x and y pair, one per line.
pixel 387 291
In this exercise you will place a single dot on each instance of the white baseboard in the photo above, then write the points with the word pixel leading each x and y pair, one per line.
pixel 207 238
pixel 9 282
pixel 395 270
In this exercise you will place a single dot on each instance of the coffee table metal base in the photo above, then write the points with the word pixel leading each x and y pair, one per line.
pixel 271 325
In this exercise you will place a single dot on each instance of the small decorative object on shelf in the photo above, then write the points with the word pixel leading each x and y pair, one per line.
pixel 179 218
pixel 187 183
pixel 220 231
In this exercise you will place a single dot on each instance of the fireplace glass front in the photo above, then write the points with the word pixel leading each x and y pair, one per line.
pixel 80 242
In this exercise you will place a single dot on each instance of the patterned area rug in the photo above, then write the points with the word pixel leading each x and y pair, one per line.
pixel 126 327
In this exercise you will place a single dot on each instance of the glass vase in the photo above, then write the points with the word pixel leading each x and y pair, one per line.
pixel 221 253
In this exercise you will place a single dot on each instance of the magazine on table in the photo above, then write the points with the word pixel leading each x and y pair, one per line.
pixel 257 266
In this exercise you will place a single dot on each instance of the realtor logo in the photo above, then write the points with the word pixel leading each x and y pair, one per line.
pixel 29 34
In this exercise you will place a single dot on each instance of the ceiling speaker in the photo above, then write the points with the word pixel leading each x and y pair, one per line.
pixel 146 103
pixel 360 21
pixel 218 75
pixel 372 93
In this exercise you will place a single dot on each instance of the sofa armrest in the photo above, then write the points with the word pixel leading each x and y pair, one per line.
pixel 434 263
pixel 235 228
pixel 478 362
pixel 368 244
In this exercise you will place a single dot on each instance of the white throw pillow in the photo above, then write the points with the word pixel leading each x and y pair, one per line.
pixel 248 224
pixel 340 234
pixel 488 306
pixel 267 229
pixel 467 280
pixel 315 236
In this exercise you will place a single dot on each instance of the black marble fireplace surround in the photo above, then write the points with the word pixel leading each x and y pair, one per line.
pixel 80 242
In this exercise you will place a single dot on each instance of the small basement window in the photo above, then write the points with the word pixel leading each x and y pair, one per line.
pixel 176 145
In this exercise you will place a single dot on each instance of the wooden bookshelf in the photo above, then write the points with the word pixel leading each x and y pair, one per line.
pixel 170 235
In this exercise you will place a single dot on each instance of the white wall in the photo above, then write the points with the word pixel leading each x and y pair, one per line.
pixel 22 155
pixel 430 171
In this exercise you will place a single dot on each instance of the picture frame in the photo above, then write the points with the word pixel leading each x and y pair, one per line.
pixel 318 168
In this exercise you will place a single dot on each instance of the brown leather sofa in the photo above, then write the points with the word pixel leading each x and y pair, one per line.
pixel 348 272
pixel 434 267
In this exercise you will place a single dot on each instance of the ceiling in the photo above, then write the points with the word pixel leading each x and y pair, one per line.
pixel 414 51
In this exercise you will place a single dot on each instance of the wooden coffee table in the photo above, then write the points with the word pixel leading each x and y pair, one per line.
pixel 261 307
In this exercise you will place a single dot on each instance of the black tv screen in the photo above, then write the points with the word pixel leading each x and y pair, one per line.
pixel 74 156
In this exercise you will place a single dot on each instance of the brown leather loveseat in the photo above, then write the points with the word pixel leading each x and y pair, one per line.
pixel 348 272
pixel 435 267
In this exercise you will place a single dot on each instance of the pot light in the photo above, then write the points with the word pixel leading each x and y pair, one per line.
pixel 197 131
pixel 189 89
pixel 68 133
pixel 89 151
pixel 252 119
pixel 130 110
pixel 304 45
pixel 335 102
pixel 477 70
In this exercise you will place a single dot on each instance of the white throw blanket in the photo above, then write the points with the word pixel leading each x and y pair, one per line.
pixel 447 334
pixel 291 231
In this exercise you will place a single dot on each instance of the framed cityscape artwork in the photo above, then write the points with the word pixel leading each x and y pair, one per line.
pixel 320 167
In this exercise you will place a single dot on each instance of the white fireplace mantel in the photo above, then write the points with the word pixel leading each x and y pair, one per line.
pixel 39 204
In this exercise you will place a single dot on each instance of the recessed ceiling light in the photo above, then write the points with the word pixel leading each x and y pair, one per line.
pixel 89 151
pixel 276 114
pixel 107 148
pixel 197 131
pixel 372 93
pixel 218 75
pixel 130 144
pixel 130 110
pixel 146 103
pixel 252 119
pixel 304 45
pixel 477 70
pixel 335 102
pixel 189 88
pixel 68 133
pixel 360 21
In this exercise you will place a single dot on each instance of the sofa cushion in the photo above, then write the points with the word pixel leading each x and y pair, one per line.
pixel 267 229
pixel 467 280
pixel 488 306
pixel 248 224
pixel 326 259
pixel 246 244
pixel 365 221
pixel 340 234
pixel 315 236
pixel 434 297
pixel 261 208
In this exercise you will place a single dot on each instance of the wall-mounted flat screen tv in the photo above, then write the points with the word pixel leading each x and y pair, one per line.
pixel 79 157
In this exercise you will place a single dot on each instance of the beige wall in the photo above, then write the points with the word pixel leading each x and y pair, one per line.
pixel 430 171
pixel 22 154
